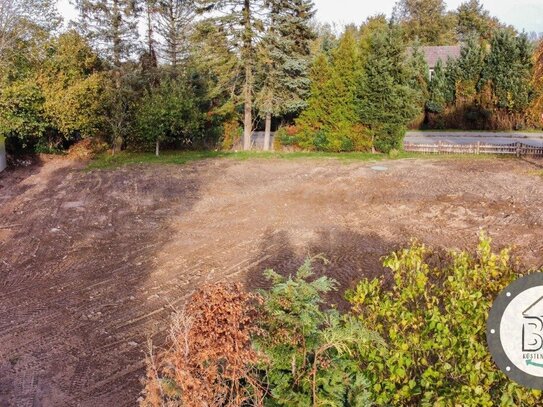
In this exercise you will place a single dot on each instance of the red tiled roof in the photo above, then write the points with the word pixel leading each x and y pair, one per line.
pixel 432 54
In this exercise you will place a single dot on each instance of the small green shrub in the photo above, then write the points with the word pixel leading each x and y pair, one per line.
pixel 433 319
pixel 312 355
pixel 389 137
pixel 320 141
pixel 394 153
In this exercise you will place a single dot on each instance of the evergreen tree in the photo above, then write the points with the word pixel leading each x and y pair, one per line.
pixel 237 22
pixel 372 24
pixel 438 90
pixel 285 51
pixel 330 121
pixel 466 71
pixel 315 118
pixel 111 25
pixel 387 101
pixel 174 18
pixel 418 75
pixel 508 70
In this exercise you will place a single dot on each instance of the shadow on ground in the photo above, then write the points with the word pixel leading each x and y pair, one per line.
pixel 351 257
pixel 77 302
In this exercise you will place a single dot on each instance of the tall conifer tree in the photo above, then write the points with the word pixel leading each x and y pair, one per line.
pixel 388 99
pixel 239 22
pixel 285 53
pixel 174 21
pixel 111 25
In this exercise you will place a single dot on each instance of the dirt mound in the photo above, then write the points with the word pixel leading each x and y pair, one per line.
pixel 86 149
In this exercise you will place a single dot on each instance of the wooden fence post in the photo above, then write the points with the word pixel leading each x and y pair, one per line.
pixel 518 149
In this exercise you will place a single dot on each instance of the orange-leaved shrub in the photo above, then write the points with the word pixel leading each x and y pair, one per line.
pixel 211 358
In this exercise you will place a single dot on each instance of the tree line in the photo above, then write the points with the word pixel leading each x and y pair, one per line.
pixel 142 74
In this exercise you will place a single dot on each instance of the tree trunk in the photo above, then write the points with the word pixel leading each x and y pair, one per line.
pixel 116 34
pixel 247 91
pixel 157 147
pixel 267 132
pixel 248 117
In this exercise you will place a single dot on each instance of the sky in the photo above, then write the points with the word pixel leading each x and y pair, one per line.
pixel 524 15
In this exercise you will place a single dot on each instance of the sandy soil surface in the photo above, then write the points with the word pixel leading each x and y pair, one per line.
pixel 93 262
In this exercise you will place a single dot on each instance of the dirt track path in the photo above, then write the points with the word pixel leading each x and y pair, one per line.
pixel 91 263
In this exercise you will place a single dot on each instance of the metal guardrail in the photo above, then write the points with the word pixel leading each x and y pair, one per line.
pixel 518 149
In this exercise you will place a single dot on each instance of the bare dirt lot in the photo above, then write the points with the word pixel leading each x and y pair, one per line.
pixel 92 262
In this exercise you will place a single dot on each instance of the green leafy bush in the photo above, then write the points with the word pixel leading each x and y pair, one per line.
pixel 22 119
pixel 433 319
pixel 169 113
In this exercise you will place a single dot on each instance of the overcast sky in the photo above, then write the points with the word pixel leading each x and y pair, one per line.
pixel 523 14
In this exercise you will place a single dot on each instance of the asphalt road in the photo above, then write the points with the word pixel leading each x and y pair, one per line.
pixel 453 137
pixel 470 137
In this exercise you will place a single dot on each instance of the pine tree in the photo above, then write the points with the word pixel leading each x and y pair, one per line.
pixel 314 119
pixel 438 90
pixel 387 99
pixel 237 21
pixel 111 25
pixel 285 51
pixel 174 20
pixel 467 71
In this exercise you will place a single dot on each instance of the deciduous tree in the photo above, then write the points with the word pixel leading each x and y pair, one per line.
pixel 425 20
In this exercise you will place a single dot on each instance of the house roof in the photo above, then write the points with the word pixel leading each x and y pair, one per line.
pixel 432 54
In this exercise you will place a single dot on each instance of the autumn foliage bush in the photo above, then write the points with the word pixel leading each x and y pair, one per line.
pixel 211 360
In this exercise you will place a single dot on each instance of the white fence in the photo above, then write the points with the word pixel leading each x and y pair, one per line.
pixel 518 149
